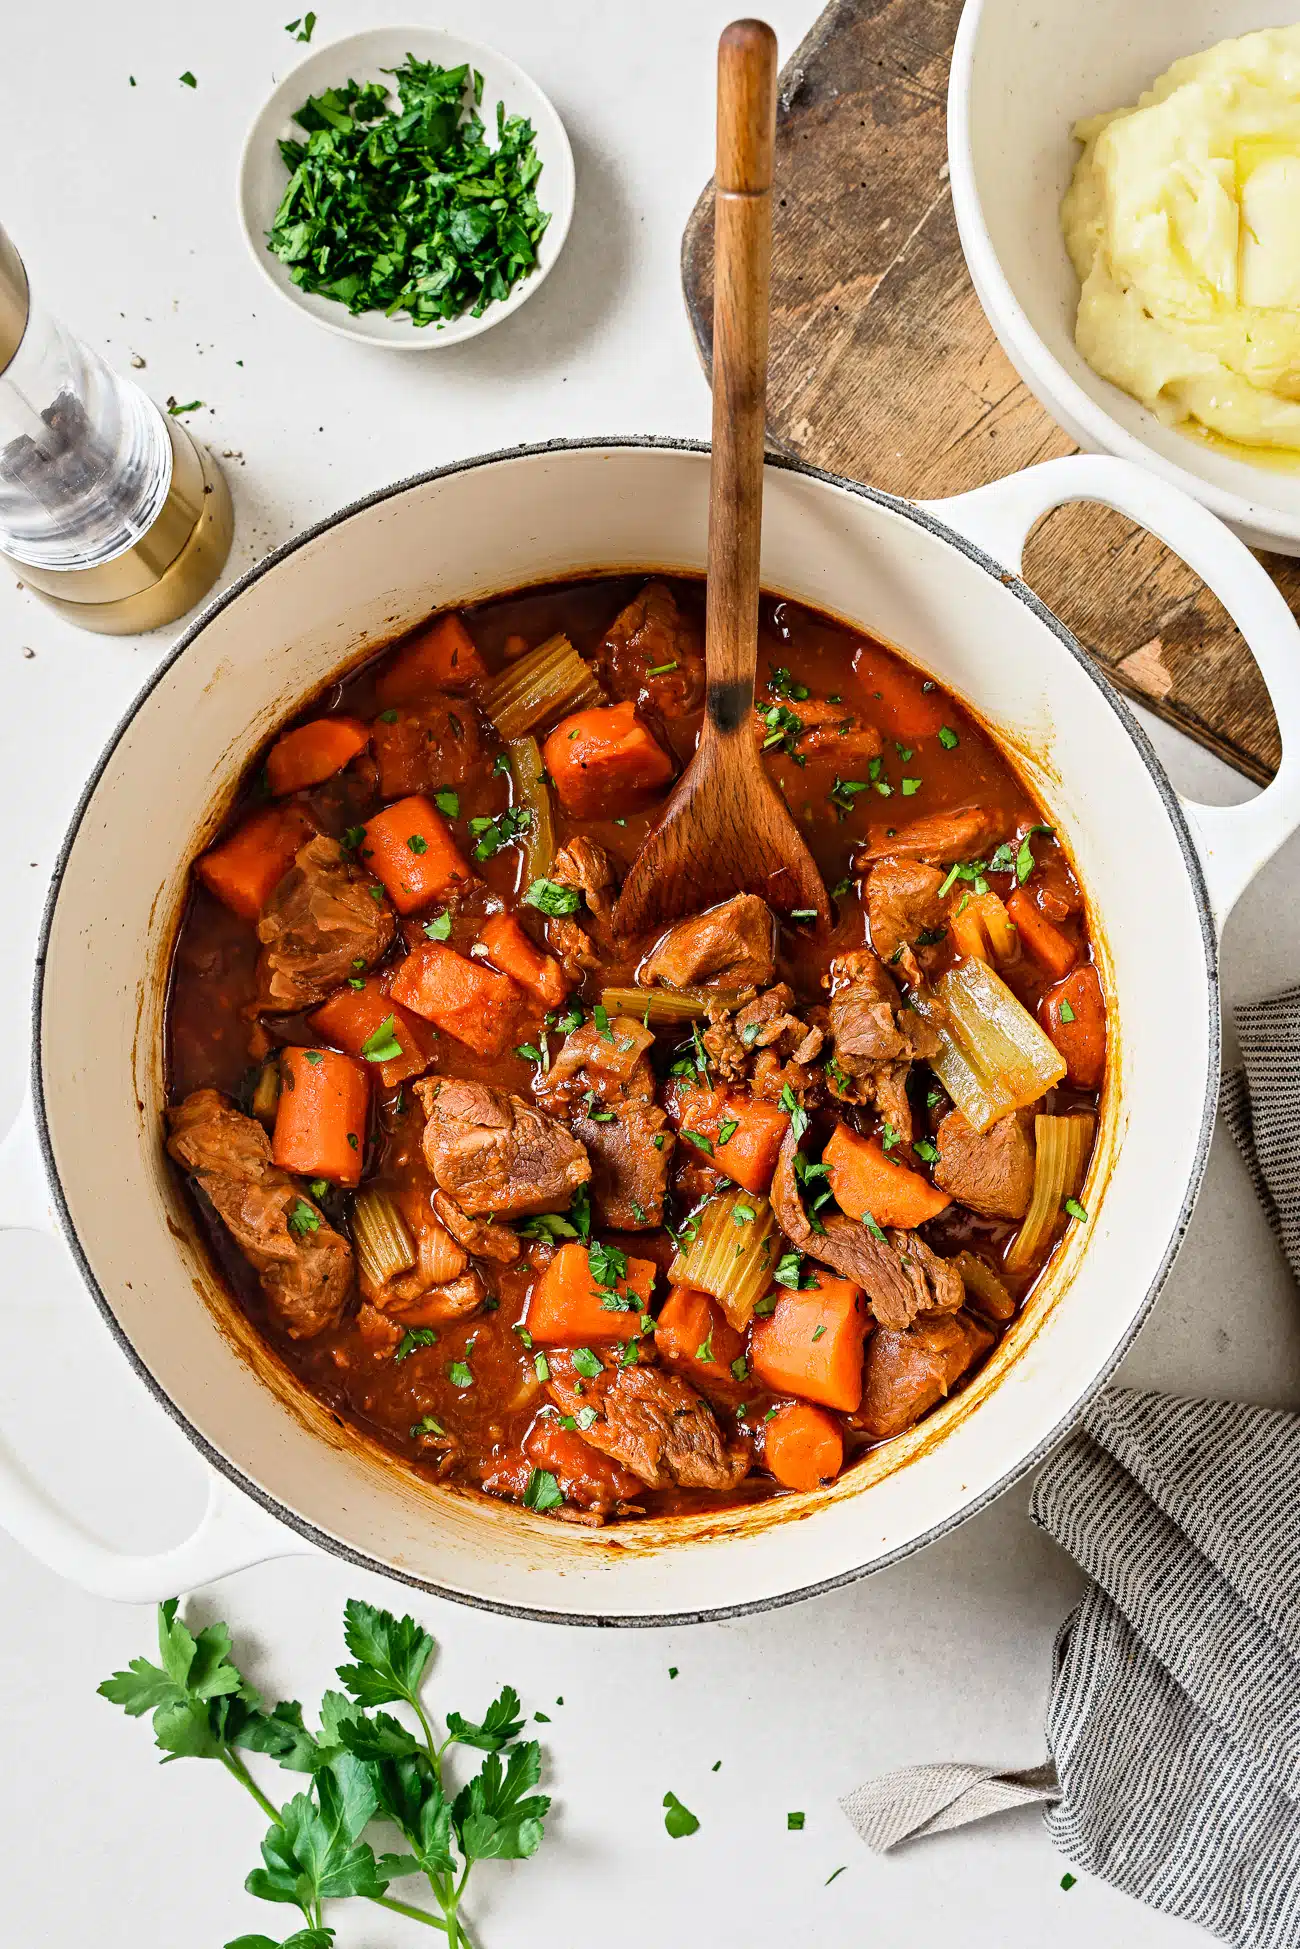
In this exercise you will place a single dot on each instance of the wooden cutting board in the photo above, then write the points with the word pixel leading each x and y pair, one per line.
pixel 883 367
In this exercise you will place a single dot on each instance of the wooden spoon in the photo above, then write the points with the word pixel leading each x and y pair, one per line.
pixel 725 828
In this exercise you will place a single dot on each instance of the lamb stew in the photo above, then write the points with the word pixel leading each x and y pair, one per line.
pixel 622 1228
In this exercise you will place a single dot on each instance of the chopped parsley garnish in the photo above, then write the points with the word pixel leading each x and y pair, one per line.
pixel 788 1102
pixel 790 1272
pixel 382 1044
pixel 661 669
pixel 573 1017
pixel 458 1374
pixel 541 1367
pixel 1075 1210
pixel 414 1338
pixel 911 786
pixel 448 801
pixel 388 717
pixel 841 887
pixel 700 1141
pixel 1068 1882
pixel 600 1016
pixel 313 1056
pixel 351 839
pixel 1067 1013
pixel 742 1215
pixel 608 1264
pixel 781 684
pixel 679 1820
pixel 705 1349
pixel 439 928
pixel 972 870
pixel 794 1822
pixel 187 81
pixel 549 897
pixel 767 1304
pixel 529 1051
pixel 503 830
pixel 783 730
pixel 409 210
pixel 501 765
pixel 727 1130
pixel 426 1425
pixel 586 1363
pixel 542 1491
pixel 873 1228
pixel 845 790
pixel 740 1368
pixel 302 1219
pixel 948 738
pixel 889 1137
pixel 926 1151
pixel 803 913
pixel 818 1330
pixel 418 844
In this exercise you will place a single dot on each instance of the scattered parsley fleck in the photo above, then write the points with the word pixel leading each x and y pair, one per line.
pixel 439 928
pixel 1067 1013
pixel 794 1822
pixel 448 801
pixel 586 1363
pixel 679 1820
pixel 543 1491
pixel 188 81
pixel 382 1045
pixel 414 1338
pixel 832 1875
pixel 549 897
pixel 302 30
pixel 1068 1882
pixel 1075 1210
pixel 459 1374
pixel 910 787
pixel 302 1219
pixel 948 738
pixel 426 1425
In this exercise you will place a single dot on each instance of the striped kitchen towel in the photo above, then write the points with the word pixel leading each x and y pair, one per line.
pixel 1173 1727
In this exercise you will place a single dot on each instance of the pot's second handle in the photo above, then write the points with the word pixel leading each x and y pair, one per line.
pixel 1233 840
pixel 232 1534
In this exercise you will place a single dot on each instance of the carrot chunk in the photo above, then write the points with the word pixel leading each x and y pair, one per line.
pixel 409 847
pixel 440 656
pixel 511 950
pixel 585 1476
pixel 313 753
pixel 866 1180
pixel 355 1019
pixel 1074 1015
pixel 694 1336
pixel 245 869
pixel 320 1120
pixel 475 1004
pixel 812 1344
pixel 566 1308
pixel 1044 941
pixel 741 1136
pixel 604 761
pixel 802 1446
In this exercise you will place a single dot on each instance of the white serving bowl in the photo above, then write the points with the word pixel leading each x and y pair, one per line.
pixel 939 581
pixel 1021 77
pixel 369 57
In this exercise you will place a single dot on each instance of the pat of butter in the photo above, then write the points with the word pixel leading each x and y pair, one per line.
pixel 1270 234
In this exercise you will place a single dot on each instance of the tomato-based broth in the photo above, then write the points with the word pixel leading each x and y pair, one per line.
pixel 626 1227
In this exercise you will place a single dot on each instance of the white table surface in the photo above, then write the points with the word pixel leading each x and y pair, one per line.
pixel 122 201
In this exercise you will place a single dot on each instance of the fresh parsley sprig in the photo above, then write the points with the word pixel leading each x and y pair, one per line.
pixel 362 1766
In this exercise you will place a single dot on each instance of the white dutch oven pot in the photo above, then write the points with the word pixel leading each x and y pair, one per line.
pixel 940 582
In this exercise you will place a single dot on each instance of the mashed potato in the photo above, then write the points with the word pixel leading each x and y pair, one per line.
pixel 1183 225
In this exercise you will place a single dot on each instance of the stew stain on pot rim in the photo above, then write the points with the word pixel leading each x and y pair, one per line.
pixel 894 1454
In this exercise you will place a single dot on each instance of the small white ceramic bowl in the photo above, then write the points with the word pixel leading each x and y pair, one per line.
pixel 1021 76
pixel 366 57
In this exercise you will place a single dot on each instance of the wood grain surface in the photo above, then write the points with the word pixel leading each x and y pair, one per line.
pixel 882 365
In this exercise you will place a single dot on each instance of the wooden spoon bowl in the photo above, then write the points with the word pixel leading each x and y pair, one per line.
pixel 726 829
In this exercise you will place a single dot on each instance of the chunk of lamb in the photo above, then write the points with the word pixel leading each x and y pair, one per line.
pixel 941 836
pixel 320 926
pixel 586 868
pixel 610 1060
pixel 897 1270
pixel 481 1236
pixel 907 917
pixel 651 635
pixel 736 1035
pixel 875 1038
pixel 630 1147
pixel 653 1423
pixel 729 946
pixel 993 1171
pixel 440 742
pixel 908 1373
pixel 305 1273
pixel 490 1151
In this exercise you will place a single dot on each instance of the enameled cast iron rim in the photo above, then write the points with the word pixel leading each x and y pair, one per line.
pixel 1014 587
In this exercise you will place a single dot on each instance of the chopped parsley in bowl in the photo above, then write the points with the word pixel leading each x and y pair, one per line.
pixel 406 187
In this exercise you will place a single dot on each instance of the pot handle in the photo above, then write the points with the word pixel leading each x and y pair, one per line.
pixel 232 1533
pixel 1233 841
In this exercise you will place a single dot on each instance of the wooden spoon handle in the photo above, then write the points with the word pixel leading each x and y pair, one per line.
pixel 742 233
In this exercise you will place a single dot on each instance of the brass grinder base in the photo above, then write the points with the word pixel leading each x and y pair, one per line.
pixel 163 574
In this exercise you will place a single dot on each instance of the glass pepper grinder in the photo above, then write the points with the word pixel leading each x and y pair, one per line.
pixel 109 510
